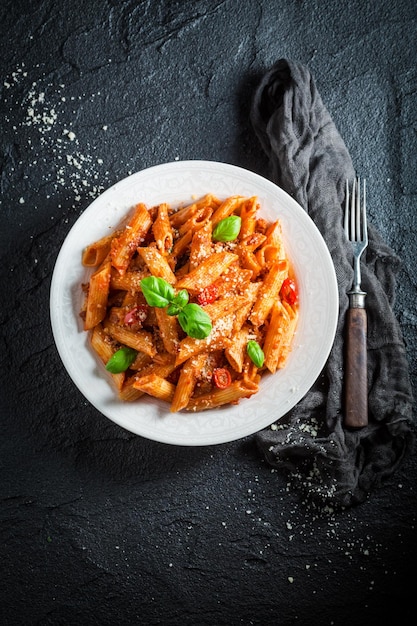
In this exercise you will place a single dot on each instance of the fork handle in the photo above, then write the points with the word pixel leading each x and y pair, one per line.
pixel 356 382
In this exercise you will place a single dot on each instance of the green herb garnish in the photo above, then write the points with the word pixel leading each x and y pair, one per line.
pixel 227 229
pixel 191 317
pixel 194 321
pixel 178 302
pixel 255 353
pixel 157 291
pixel 121 360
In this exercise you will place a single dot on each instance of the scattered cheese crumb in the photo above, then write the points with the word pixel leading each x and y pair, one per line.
pixel 42 110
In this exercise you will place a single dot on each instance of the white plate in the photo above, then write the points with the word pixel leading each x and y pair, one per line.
pixel 176 183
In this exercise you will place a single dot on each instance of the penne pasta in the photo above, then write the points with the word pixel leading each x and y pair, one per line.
pixel 272 249
pixel 183 214
pixel 268 292
pixel 207 272
pixel 128 393
pixel 123 247
pixel 97 252
pixel 162 230
pixel 227 208
pixel 169 330
pixel 186 382
pixel 129 281
pixel 140 361
pixel 199 219
pixel 140 340
pixel 189 347
pixel 181 245
pixel 274 238
pixel 219 397
pixel 224 306
pixel 236 280
pixel 274 339
pixel 242 312
pixel 289 335
pixel 201 245
pixel 104 349
pixel 155 386
pixel 232 287
pixel 267 255
pixel 236 352
pixel 98 292
pixel 162 366
pixel 157 264
pixel 248 216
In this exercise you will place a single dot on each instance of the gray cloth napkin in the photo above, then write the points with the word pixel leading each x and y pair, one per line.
pixel 310 161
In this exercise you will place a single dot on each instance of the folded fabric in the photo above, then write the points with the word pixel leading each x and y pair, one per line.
pixel 310 161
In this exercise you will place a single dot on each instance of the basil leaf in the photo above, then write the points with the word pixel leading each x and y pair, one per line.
pixel 157 291
pixel 181 298
pixel 173 309
pixel 179 301
pixel 191 317
pixel 255 353
pixel 121 360
pixel 194 321
pixel 227 229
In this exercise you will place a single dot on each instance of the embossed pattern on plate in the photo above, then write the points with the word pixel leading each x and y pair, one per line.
pixel 180 182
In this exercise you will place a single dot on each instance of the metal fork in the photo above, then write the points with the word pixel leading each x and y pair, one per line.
pixel 356 382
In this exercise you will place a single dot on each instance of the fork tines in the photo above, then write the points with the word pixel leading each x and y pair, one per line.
pixel 355 224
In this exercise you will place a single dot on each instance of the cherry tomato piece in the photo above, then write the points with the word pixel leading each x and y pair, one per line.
pixel 137 315
pixel 208 295
pixel 221 377
pixel 289 291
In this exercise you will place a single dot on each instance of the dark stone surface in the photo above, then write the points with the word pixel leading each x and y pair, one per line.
pixel 103 527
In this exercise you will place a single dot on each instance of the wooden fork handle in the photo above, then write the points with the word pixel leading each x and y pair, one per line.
pixel 356 382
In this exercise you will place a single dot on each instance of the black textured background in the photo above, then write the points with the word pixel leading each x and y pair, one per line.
pixel 102 527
